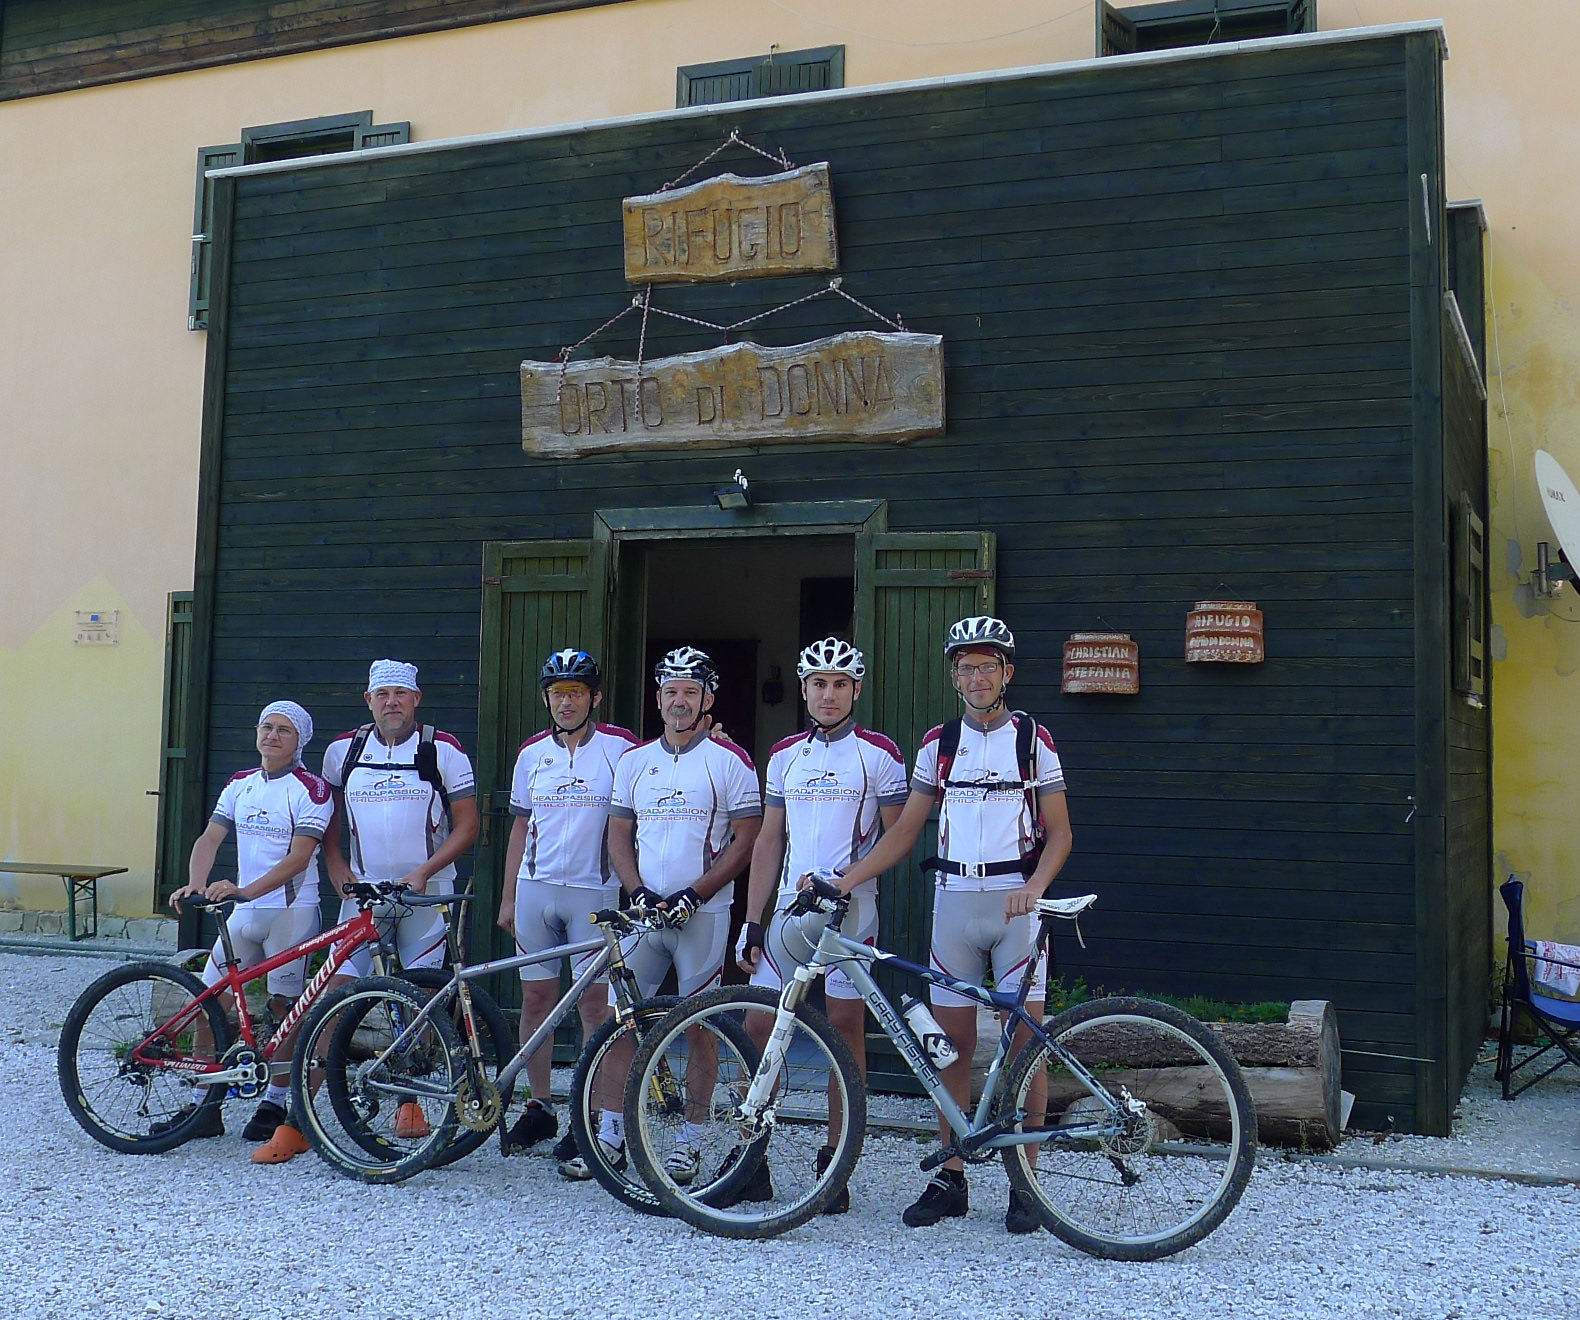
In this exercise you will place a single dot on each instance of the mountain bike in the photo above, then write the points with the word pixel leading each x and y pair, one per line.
pixel 143 1040
pixel 1125 1122
pixel 366 1053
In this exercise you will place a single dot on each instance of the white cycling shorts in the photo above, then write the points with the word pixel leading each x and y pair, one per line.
pixel 780 957
pixel 970 935
pixel 257 933
pixel 549 914
pixel 695 951
pixel 418 938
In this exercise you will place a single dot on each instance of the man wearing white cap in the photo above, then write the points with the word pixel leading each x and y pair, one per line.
pixel 406 794
pixel 279 812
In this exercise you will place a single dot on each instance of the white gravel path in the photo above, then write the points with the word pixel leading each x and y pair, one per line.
pixel 202 1233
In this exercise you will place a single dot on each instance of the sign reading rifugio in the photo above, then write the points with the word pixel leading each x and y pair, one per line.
pixel 727 227
pixel 859 385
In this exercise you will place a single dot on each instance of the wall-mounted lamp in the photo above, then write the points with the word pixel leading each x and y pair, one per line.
pixel 1552 570
pixel 737 495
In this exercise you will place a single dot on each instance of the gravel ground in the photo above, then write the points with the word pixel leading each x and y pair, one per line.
pixel 201 1233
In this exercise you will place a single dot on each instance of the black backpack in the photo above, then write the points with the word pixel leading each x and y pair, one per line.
pixel 1025 740
pixel 425 761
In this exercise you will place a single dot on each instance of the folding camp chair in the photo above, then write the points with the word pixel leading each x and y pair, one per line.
pixel 1557 1019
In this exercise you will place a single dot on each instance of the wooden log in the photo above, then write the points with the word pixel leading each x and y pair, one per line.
pixel 1291 1068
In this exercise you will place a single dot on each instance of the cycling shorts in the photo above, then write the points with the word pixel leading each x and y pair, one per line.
pixel 970 935
pixel 418 937
pixel 778 960
pixel 257 933
pixel 695 951
pixel 549 914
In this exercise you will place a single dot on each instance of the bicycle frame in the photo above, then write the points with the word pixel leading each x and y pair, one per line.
pixel 342 941
pixel 974 1133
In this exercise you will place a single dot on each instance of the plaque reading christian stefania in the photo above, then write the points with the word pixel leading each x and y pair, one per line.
pixel 855 386
pixel 1101 662
pixel 728 227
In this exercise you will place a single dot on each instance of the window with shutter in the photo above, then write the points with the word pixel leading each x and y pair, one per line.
pixel 1124 29
pixel 779 73
pixel 272 142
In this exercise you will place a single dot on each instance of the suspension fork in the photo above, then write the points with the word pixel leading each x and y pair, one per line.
pixel 759 1095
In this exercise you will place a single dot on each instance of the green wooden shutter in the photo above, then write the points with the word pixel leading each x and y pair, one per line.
pixel 910 586
pixel 209 158
pixel 781 73
pixel 1116 32
pixel 170 847
pixel 538 596
pixel 365 136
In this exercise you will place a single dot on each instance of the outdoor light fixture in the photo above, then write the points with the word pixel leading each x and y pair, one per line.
pixel 737 495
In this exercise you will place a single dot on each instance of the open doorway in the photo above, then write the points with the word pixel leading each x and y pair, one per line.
pixel 751 604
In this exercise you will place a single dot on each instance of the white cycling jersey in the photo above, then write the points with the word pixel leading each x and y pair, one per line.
pixel 684 804
pixel 977 824
pixel 564 792
pixel 831 790
pixel 394 817
pixel 266 811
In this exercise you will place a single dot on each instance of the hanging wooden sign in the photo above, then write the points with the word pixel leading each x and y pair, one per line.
pixel 856 386
pixel 729 227
pixel 1224 632
pixel 1101 662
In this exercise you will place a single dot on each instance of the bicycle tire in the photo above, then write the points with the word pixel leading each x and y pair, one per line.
pixel 1148 1183
pixel 354 1116
pixel 114 1103
pixel 498 1048
pixel 780 1160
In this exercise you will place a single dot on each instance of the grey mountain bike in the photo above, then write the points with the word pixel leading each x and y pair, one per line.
pixel 1125 1122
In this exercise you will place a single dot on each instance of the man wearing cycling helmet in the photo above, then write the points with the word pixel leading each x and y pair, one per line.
pixel 556 866
pixel 828 791
pixel 989 874
pixel 682 821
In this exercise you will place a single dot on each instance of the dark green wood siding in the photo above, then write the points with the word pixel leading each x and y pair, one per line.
pixel 1177 314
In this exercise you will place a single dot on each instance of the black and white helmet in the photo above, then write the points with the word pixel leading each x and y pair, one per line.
pixel 977 632
pixel 570 666
pixel 689 663
pixel 830 656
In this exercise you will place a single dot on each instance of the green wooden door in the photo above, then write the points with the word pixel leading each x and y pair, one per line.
pixel 910 586
pixel 538 596
pixel 170 845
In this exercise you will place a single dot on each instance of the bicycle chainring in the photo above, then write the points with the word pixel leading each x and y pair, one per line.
pixel 478 1104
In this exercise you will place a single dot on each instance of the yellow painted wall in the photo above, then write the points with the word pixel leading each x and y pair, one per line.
pixel 101 383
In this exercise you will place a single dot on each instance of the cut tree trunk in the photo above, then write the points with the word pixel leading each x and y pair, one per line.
pixel 1291 1068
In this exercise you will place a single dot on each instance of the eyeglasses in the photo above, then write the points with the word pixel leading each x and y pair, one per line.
pixel 569 690
pixel 987 669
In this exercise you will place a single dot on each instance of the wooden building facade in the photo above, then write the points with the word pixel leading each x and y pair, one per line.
pixel 1201 338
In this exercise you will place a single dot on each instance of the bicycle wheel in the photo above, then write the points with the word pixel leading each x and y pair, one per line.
pixel 122 1072
pixel 592 1090
pixel 497 1044
pixel 1160 1158
pixel 376 1096
pixel 702 1159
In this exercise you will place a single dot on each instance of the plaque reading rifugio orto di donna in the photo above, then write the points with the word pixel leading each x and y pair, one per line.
pixel 859 385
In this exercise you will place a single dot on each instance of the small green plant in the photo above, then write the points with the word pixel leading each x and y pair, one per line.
pixel 1063 994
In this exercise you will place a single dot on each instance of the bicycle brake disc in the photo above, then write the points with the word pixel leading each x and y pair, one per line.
pixel 478 1106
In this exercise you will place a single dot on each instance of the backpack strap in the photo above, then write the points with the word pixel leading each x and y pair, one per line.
pixel 426 760
pixel 948 745
pixel 359 742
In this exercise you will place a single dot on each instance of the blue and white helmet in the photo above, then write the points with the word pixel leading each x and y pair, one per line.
pixel 570 666
pixel 980 632
pixel 830 656
pixel 686 662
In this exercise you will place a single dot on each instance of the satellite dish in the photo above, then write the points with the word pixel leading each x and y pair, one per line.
pixel 1561 501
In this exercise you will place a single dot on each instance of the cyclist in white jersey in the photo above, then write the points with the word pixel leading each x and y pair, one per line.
pixel 682 821
pixel 829 791
pixel 989 874
pixel 557 865
pixel 279 813
pixel 400 829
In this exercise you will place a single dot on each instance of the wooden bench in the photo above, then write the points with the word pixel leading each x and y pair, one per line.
pixel 79 881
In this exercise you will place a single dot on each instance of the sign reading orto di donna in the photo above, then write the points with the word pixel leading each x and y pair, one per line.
pixel 859 385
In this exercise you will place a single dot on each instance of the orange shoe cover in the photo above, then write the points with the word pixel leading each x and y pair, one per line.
pixel 286 1144
pixel 411 1124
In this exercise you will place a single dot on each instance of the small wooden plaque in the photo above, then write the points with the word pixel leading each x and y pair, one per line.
pixel 1101 662
pixel 1224 632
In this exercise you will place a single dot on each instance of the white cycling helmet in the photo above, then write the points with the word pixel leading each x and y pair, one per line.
pixel 978 632
pixel 830 656
pixel 686 662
